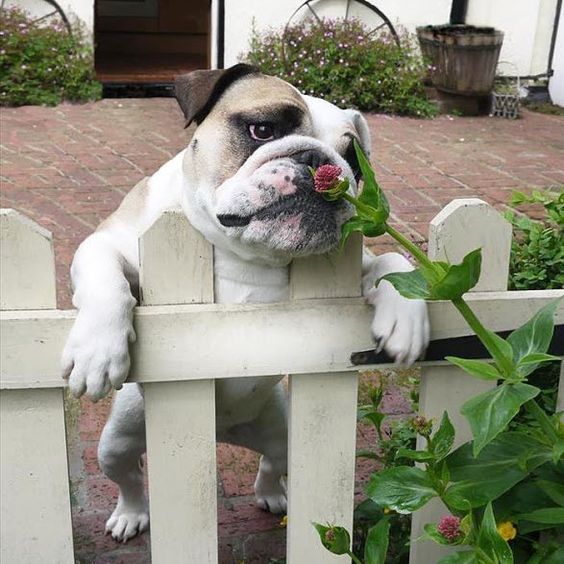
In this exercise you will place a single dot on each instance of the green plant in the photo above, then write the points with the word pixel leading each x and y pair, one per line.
pixel 502 477
pixel 537 252
pixel 42 63
pixel 344 63
pixel 399 437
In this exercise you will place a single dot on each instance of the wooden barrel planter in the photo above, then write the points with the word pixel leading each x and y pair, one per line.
pixel 463 57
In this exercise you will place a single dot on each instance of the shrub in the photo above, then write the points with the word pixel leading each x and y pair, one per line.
pixel 342 62
pixel 537 253
pixel 41 63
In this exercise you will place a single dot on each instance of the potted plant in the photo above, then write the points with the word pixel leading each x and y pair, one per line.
pixel 463 60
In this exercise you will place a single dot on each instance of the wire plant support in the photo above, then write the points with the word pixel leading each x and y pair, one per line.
pixel 506 100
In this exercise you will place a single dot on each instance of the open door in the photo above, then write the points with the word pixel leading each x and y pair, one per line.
pixel 151 41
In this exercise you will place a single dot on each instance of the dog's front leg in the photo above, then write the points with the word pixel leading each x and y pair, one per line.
pixel 400 326
pixel 96 355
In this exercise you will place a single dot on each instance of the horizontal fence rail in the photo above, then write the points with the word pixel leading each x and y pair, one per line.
pixel 185 342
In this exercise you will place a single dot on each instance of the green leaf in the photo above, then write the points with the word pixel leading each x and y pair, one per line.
pixel 459 278
pixel 503 345
pixel 491 542
pixel 403 488
pixel 374 417
pixel 465 557
pixel 547 515
pixel 477 368
pixel 335 539
pixel 478 480
pixel 418 455
pixel 558 451
pixel 371 194
pixel 534 336
pixel 554 490
pixel 432 533
pixel 376 546
pixel 490 413
pixel 411 285
pixel 366 227
pixel 442 440
pixel 536 359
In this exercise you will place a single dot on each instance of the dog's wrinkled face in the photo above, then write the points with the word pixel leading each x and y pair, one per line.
pixel 249 163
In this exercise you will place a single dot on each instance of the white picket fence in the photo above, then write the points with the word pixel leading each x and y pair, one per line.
pixel 184 342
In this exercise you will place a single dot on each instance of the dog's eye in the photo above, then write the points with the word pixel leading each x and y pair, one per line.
pixel 261 131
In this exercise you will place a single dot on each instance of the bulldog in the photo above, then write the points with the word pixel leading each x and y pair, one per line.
pixel 244 183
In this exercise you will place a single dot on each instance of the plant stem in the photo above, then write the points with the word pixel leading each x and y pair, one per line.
pixel 412 248
pixel 354 558
pixel 544 421
pixel 482 333
pixel 359 205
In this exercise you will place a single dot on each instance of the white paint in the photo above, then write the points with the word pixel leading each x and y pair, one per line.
pixel 461 227
pixel 556 83
pixel 35 517
pixel 527 27
pixel 79 9
pixel 223 341
pixel 239 18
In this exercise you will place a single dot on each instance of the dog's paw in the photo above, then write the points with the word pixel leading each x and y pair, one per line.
pixel 96 355
pixel 270 488
pixel 126 523
pixel 272 499
pixel 400 326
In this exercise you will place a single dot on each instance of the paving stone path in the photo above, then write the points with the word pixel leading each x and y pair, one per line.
pixel 69 167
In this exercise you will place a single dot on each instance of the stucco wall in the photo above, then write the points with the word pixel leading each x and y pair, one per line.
pixel 527 27
pixel 556 84
pixel 239 16
pixel 82 9
pixel 527 24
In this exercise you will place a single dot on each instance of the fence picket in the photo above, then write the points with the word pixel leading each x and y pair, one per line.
pixel 35 516
pixel 322 422
pixel 177 267
pixel 462 226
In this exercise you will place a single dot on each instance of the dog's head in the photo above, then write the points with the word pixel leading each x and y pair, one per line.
pixel 248 162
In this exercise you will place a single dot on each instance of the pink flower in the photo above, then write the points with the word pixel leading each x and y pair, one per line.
pixel 326 177
pixel 449 527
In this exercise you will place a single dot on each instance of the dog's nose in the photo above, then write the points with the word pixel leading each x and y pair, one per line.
pixel 310 157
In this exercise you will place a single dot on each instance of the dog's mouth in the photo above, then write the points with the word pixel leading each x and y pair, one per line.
pixel 232 220
pixel 283 206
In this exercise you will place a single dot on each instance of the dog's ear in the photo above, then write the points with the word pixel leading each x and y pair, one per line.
pixel 198 91
pixel 362 129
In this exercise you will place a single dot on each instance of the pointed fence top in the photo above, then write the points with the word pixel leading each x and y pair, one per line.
pixel 27 276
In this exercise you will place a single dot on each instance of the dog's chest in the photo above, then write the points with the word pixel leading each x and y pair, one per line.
pixel 237 281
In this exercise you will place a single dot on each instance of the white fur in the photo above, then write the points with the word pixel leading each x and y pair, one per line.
pixel 251 411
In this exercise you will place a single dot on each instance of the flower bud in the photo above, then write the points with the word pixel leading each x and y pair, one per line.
pixel 328 183
pixel 449 527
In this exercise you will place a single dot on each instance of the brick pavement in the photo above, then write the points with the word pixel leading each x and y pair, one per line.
pixel 68 167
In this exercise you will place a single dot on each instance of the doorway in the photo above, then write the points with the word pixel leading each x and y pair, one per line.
pixel 150 41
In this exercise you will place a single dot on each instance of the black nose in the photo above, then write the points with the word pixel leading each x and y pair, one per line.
pixel 310 157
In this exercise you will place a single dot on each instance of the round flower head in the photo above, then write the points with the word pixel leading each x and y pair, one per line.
pixel 449 527
pixel 328 182
pixel 507 531
pixel 326 176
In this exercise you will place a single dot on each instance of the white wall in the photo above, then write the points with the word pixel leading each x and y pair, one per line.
pixel 239 16
pixel 81 9
pixel 527 27
pixel 556 83
pixel 527 24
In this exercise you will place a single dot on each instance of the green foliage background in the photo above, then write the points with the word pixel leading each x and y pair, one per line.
pixel 344 63
pixel 42 64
